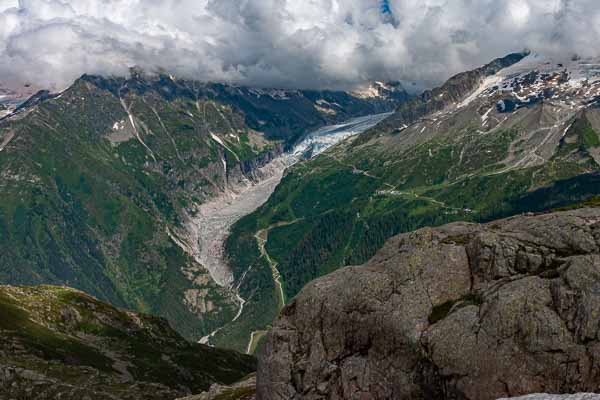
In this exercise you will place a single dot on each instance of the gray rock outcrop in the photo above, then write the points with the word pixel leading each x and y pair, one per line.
pixel 243 390
pixel 464 311
pixel 543 396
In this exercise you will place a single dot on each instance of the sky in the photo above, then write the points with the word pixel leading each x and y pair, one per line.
pixel 339 44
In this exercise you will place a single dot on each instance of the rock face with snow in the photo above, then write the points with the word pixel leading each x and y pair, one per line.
pixel 454 91
pixel 464 311
pixel 547 99
pixel 380 90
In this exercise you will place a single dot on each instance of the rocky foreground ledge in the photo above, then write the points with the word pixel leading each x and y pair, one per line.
pixel 464 311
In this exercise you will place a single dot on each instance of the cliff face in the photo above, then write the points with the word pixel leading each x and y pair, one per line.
pixel 464 311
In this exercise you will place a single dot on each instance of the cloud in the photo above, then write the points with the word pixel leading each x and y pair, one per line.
pixel 287 43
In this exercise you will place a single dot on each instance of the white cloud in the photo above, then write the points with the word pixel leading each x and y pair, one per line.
pixel 308 43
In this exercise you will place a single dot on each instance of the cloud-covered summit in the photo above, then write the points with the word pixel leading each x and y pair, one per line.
pixel 288 43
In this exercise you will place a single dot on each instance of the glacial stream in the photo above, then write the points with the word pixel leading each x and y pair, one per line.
pixel 215 219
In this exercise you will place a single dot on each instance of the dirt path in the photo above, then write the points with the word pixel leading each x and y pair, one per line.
pixel 262 237
pixel 254 340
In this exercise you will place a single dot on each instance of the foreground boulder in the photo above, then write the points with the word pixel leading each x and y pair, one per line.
pixel 464 311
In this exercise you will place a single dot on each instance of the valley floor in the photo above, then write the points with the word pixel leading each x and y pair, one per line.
pixel 215 219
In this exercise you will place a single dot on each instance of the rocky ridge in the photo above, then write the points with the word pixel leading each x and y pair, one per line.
pixel 464 311
pixel 452 92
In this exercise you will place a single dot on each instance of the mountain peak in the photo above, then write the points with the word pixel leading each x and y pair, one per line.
pixel 377 89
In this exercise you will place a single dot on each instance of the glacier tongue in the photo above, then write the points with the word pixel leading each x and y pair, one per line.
pixel 319 141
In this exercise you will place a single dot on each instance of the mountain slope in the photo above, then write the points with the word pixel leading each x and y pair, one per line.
pixel 518 135
pixel 58 342
pixel 464 311
pixel 456 89
pixel 100 184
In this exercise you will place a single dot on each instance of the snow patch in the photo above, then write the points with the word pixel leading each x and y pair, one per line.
pixel 6 140
pixel 276 94
pixel 119 125
pixel 325 110
pixel 374 90
pixel 487 83
pixel 218 140
pixel 485 116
